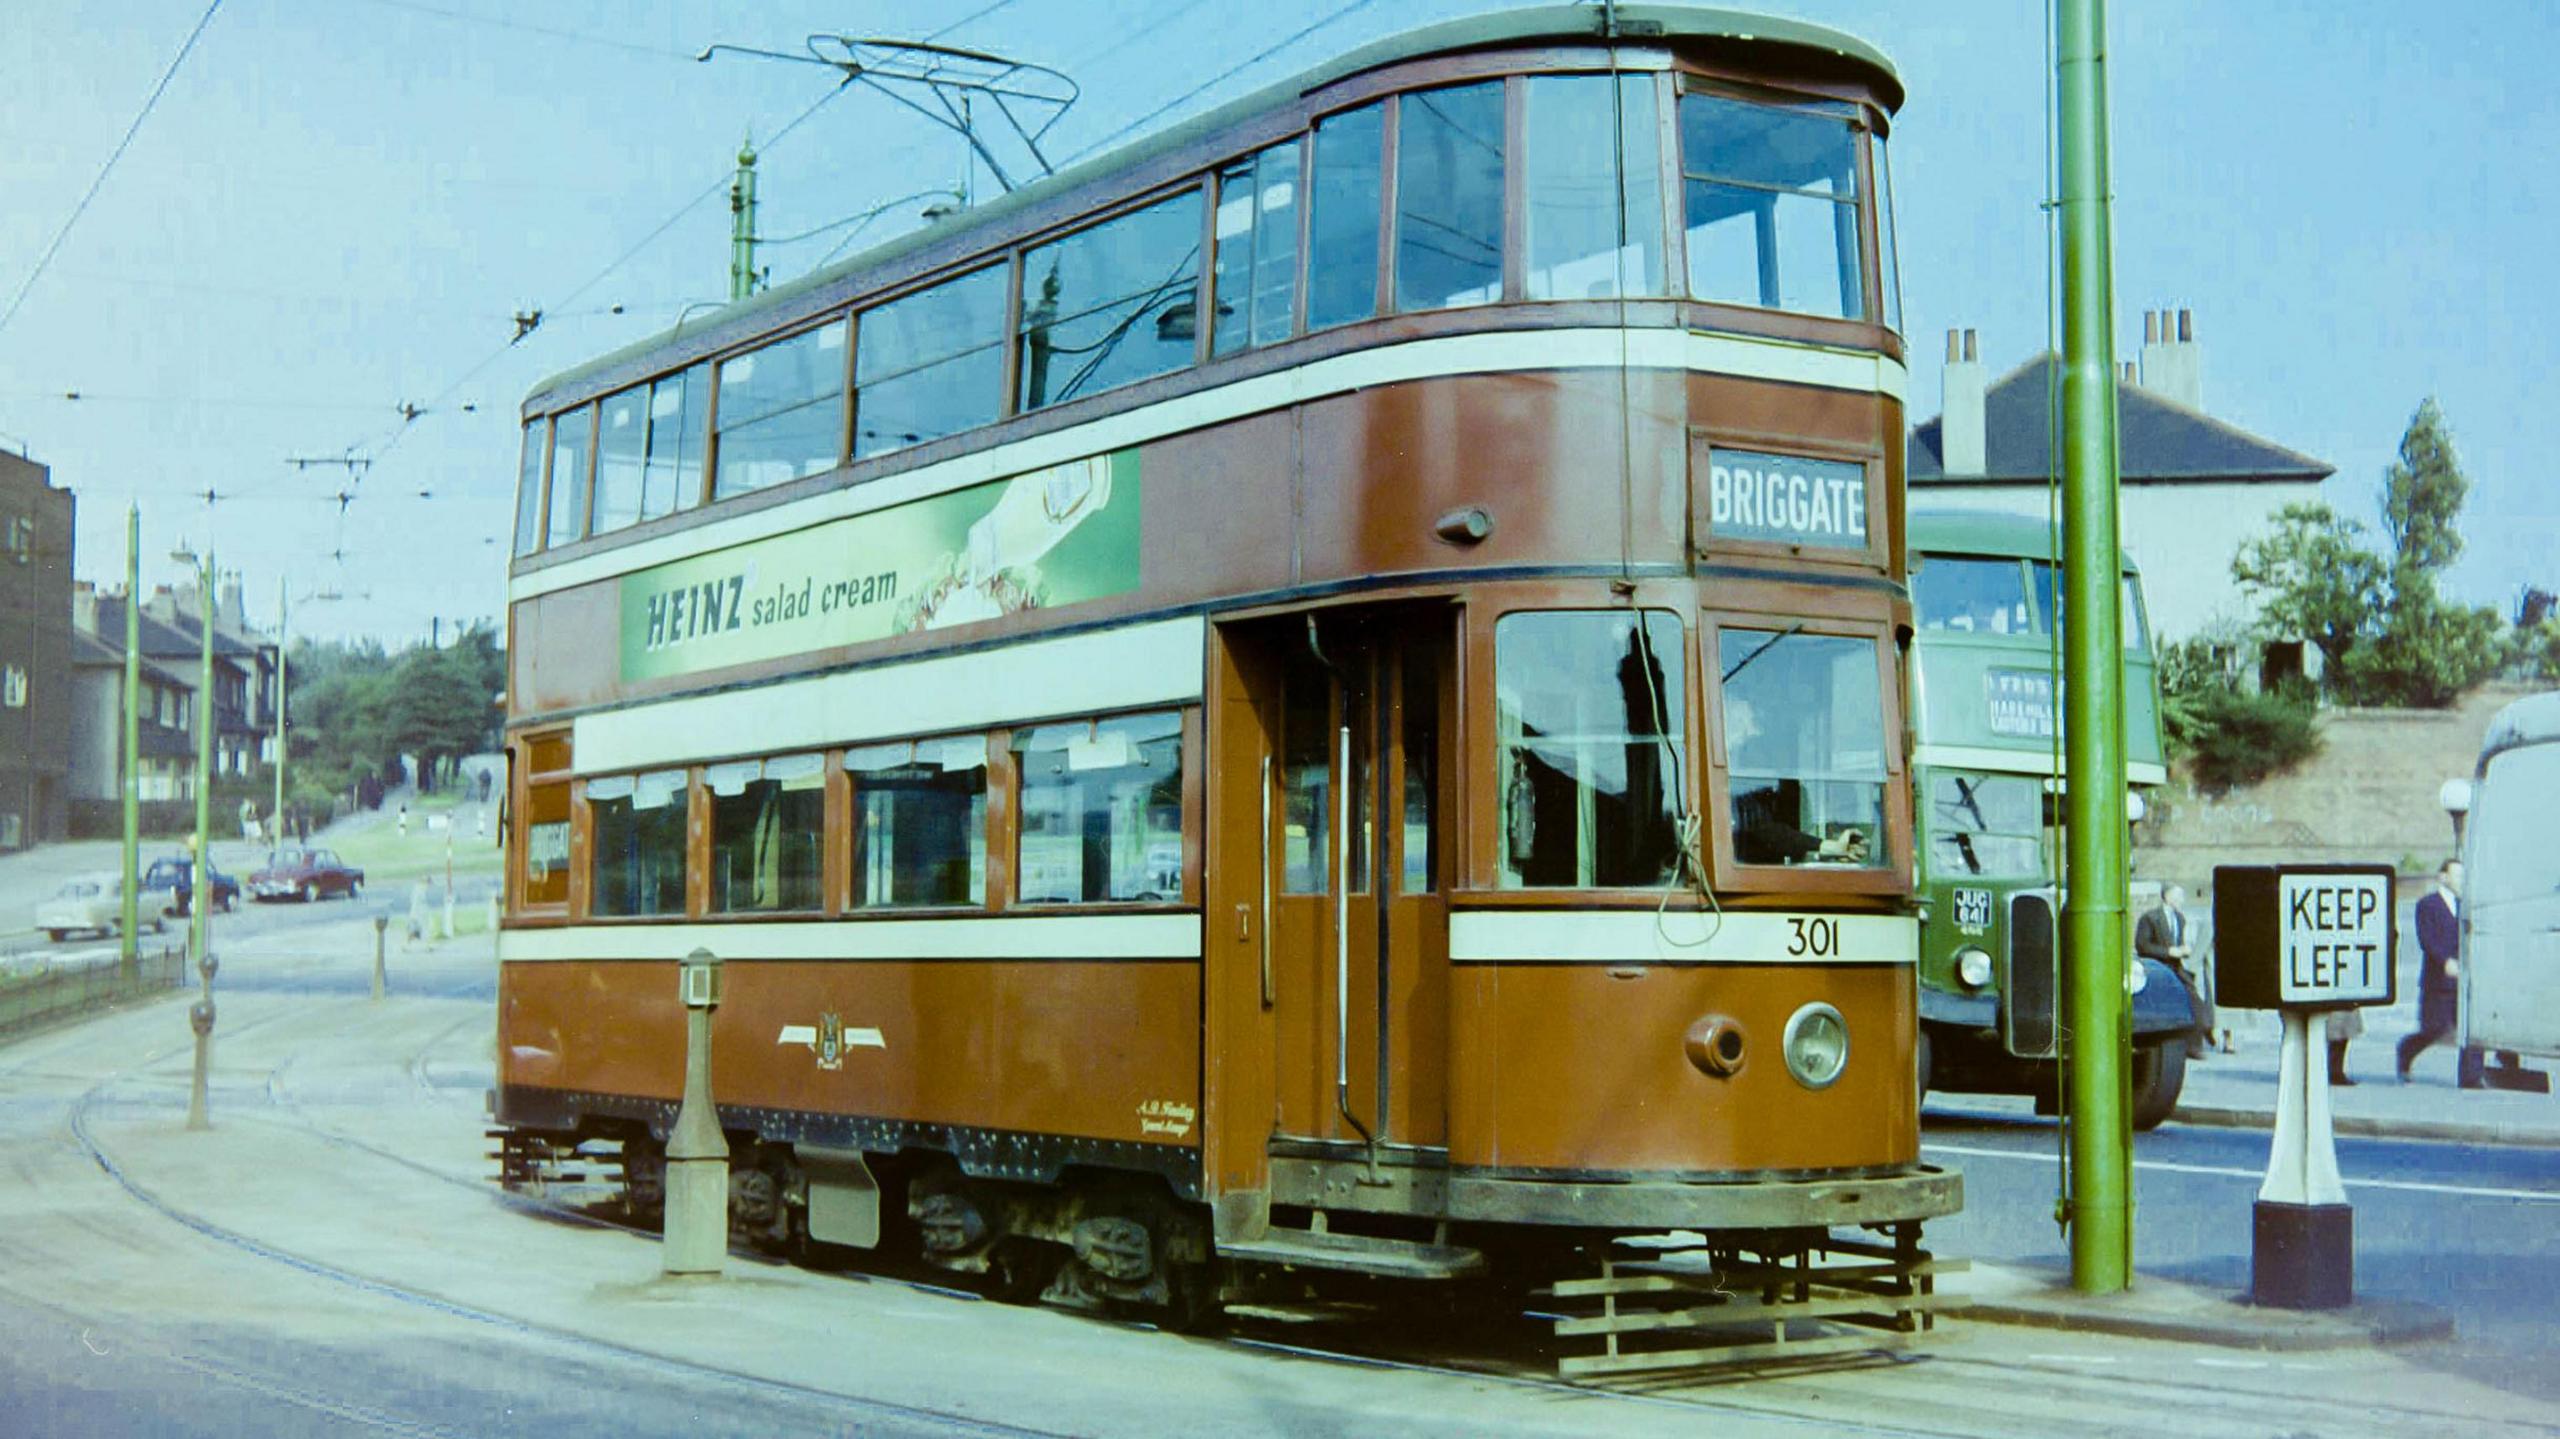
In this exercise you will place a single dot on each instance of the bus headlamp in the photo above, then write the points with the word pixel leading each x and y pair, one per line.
pixel 1816 1045
pixel 2137 974
pixel 1973 967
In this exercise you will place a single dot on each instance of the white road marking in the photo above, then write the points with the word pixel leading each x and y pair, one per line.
pixel 2225 1171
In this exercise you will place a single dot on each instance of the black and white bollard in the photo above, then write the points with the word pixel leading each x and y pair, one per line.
pixel 381 924
pixel 697 1223
pixel 2302 1232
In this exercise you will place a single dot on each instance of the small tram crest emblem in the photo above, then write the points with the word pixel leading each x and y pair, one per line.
pixel 831 1041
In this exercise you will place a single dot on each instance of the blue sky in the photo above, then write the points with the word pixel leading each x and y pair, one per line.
pixel 338 205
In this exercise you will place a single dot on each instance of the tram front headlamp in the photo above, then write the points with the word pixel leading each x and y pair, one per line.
pixel 1973 967
pixel 1816 1045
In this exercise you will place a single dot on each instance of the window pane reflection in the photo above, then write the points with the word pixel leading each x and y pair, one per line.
pixel 1971 596
pixel 1342 244
pixel 1589 715
pixel 1804 748
pixel 1449 197
pixel 1257 259
pixel 919 822
pixel 1101 811
pixel 1583 244
pixel 1771 206
pixel 768 833
pixel 637 823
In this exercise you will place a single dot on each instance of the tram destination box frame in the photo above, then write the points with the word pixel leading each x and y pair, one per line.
pixel 2305 936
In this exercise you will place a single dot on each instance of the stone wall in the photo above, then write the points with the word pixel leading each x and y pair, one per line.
pixel 2368 797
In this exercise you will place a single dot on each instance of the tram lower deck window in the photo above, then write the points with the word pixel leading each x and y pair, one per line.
pixel 919 822
pixel 637 825
pixel 1804 739
pixel 1590 711
pixel 768 833
pixel 1101 811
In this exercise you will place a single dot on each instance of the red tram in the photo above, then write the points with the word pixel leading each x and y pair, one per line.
pixel 1323 692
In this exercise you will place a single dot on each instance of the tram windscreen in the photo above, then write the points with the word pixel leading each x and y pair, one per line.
pixel 1590 711
pixel 1804 739
pixel 1986 825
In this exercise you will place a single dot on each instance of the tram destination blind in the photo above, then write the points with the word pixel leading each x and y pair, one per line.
pixel 2310 936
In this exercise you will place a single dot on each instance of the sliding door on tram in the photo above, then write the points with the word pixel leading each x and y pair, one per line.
pixel 1352 717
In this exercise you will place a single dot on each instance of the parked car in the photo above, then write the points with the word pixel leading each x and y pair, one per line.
pixel 88 902
pixel 295 872
pixel 171 883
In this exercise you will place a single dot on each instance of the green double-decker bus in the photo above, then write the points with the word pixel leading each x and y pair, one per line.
pixel 1986 707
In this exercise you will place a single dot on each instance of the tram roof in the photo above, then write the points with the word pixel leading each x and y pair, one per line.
pixel 2533 720
pixel 1504 29
pixel 1986 532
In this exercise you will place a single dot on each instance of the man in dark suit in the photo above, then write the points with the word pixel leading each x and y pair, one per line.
pixel 2440 975
pixel 2163 934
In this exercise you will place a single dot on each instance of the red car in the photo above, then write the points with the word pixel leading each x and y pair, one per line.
pixel 308 874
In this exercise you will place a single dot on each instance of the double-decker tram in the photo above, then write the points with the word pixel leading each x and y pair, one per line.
pixel 1317 696
pixel 1986 773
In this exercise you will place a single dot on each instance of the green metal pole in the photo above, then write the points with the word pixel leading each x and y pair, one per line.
pixel 130 941
pixel 2097 1004
pixel 742 224
pixel 202 904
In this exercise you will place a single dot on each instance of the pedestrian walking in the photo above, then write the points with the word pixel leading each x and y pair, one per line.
pixel 2440 977
pixel 2163 934
pixel 404 819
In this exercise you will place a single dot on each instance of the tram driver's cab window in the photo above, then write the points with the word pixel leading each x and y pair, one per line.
pixel 768 833
pixel 637 827
pixel 1772 205
pixel 1804 748
pixel 919 822
pixel 1589 717
pixel 1101 813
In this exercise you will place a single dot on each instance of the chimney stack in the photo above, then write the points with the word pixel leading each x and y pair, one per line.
pixel 1960 420
pixel 84 609
pixel 2172 365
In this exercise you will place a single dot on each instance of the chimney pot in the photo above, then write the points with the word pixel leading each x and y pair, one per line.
pixel 2186 327
pixel 2151 327
pixel 1969 353
pixel 1955 345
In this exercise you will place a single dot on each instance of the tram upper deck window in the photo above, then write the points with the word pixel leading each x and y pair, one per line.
pixel 768 833
pixel 1111 305
pixel 919 822
pixel 1101 812
pixel 621 441
pixel 930 364
pixel 1804 747
pixel 1342 218
pixel 636 825
pixel 1888 257
pixel 1971 596
pixel 529 488
pixel 1588 139
pixel 571 436
pixel 781 412
pixel 1772 200
pixel 679 417
pixel 1986 824
pixel 1449 197
pixel 1257 257
pixel 1589 715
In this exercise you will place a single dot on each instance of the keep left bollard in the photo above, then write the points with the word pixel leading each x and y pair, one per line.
pixel 697 1224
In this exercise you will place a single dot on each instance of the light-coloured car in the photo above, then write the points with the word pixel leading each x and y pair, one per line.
pixel 89 902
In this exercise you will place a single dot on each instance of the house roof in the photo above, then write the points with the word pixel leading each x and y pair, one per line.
pixel 90 651
pixel 2158 438
pixel 163 640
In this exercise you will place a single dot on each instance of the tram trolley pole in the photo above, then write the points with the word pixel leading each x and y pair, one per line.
pixel 697 1204
pixel 2303 939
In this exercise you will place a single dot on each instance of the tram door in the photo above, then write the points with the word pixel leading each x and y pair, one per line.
pixel 1354 711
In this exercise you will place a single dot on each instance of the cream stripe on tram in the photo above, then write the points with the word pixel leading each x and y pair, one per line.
pixel 1015 937
pixel 1156 663
pixel 1495 353
pixel 1582 936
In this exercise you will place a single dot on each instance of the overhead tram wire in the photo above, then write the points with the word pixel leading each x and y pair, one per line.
pixel 150 103
pixel 1213 82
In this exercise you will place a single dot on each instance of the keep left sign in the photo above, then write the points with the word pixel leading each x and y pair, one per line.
pixel 2303 936
pixel 2336 938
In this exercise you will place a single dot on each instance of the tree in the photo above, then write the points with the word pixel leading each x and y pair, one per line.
pixel 2314 579
pixel 2429 651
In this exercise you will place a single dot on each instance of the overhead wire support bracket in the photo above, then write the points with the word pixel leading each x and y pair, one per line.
pixel 1030 97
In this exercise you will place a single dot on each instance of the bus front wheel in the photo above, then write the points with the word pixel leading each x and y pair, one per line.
pixel 2159 1072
